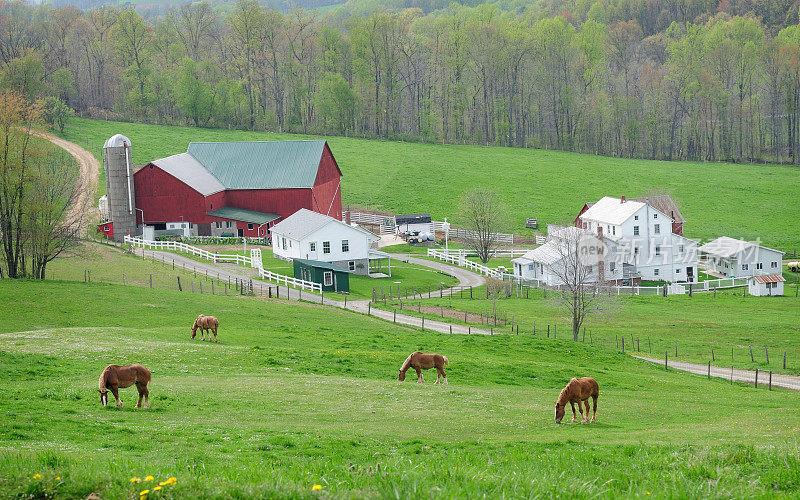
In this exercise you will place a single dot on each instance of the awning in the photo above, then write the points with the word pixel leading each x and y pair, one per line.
pixel 377 254
pixel 769 278
pixel 243 215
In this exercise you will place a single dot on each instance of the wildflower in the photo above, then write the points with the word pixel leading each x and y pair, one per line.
pixel 148 478
pixel 58 478
pixel 136 480
pixel 316 487
pixel 157 488
pixel 143 493
pixel 163 483
pixel 37 476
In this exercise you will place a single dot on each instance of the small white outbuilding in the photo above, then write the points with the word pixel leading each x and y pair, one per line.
pixel 765 285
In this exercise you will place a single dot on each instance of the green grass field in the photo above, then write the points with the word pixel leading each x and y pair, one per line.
pixel 297 395
pixel 743 201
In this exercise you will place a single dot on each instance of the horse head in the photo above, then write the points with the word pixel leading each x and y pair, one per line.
pixel 193 329
pixel 103 396
pixel 560 407
pixel 402 376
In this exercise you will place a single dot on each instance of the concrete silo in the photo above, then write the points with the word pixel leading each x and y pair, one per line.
pixel 117 162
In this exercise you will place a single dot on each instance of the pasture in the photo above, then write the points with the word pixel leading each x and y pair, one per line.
pixel 739 200
pixel 296 396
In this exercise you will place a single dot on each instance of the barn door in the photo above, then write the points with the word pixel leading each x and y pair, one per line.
pixel 204 229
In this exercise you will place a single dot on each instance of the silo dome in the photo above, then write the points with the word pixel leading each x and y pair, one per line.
pixel 117 141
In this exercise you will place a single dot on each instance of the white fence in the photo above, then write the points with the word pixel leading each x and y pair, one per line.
pixel 253 260
pixel 388 224
pixel 497 253
pixel 462 261
pixel 710 285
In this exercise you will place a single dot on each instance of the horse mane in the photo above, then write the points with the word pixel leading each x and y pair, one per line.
pixel 564 395
pixel 406 363
pixel 101 384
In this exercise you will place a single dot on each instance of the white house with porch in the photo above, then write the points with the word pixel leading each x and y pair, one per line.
pixel 546 264
pixel 739 258
pixel 314 236
pixel 644 237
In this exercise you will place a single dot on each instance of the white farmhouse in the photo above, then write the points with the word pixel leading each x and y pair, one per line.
pixel 310 235
pixel 739 258
pixel 546 264
pixel 765 284
pixel 644 237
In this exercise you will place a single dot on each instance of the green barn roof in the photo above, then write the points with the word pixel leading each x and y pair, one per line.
pixel 243 215
pixel 260 164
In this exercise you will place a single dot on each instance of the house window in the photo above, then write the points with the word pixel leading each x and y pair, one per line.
pixel 218 225
pixel 328 278
pixel 191 225
pixel 636 230
pixel 351 265
pixel 655 271
pixel 744 267
pixel 658 250
pixel 635 250
pixel 635 217
pixel 657 228
pixel 614 230
pixel 680 249
pixel 655 216
pixel 326 247
pixel 228 224
pixel 589 269
pixel 345 245
pixel 773 264
pixel 250 227
pixel 312 246
pixel 283 239
pixel 612 266
pixel 677 271
pixel 530 267
pixel 759 266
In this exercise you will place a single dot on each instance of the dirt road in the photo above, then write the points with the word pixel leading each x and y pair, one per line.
pixel 89 169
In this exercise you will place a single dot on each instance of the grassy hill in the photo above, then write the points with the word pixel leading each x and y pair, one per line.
pixel 744 201
pixel 297 395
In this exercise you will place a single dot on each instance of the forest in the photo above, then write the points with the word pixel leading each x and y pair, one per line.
pixel 663 79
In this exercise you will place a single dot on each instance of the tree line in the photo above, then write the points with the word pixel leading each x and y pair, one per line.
pixel 722 85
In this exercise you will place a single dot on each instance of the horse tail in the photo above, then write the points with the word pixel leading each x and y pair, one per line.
pixel 446 362
pixel 406 363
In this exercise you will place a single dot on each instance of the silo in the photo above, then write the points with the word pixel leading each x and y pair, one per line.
pixel 117 162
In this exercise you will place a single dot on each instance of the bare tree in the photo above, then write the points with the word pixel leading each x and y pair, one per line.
pixel 580 262
pixel 482 213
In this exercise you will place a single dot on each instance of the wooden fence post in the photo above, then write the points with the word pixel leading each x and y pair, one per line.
pixel 766 351
pixel 180 289
pixel 394 316
pixel 770 380
pixel 623 344
pixel 666 355
pixel 151 281
pixel 712 352
pixel 554 331
pixel 751 354
pixel 369 308
pixel 85 275
pixel 212 287
pixel 709 370
pixel 201 287
pixel 423 322
pixel 676 348
pixel 784 360
pixel 123 278
pixel 756 378
pixel 548 330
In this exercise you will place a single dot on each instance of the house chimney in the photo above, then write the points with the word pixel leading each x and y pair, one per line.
pixel 622 199
pixel 347 217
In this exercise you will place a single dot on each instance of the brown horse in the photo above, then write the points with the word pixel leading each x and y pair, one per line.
pixel 420 361
pixel 578 390
pixel 205 323
pixel 115 377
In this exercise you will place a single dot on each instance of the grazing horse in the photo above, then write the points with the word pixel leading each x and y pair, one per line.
pixel 578 390
pixel 115 377
pixel 205 323
pixel 420 361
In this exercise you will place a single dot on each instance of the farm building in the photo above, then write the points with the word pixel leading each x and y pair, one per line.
pixel 663 203
pixel 739 258
pixel 333 278
pixel 765 285
pixel 546 264
pixel 237 188
pixel 647 237
pixel 312 236
pixel 414 223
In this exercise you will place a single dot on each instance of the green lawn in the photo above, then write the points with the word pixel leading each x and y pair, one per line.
pixel 727 321
pixel 743 201
pixel 298 395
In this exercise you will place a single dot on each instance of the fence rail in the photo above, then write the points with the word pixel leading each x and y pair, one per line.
pixel 253 260
pixel 497 253
pixel 462 261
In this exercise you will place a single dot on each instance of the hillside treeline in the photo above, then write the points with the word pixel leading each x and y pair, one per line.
pixel 724 85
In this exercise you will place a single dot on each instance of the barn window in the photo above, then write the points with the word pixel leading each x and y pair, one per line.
pixel 345 245
pixel 218 224
pixel 328 278
pixel 312 246
pixel 326 247
pixel 657 228
pixel 636 230
pixel 250 227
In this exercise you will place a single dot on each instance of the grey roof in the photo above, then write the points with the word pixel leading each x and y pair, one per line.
pixel 546 254
pixel 304 222
pixel 116 141
pixel 725 247
pixel 260 164
pixel 612 210
pixel 243 215
pixel 321 265
pixel 187 169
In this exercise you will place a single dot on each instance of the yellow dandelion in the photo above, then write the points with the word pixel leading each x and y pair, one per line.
pixel 316 487
pixel 163 483
pixel 172 480
pixel 144 493
pixel 157 488
pixel 37 476
pixel 148 478
pixel 58 478
pixel 136 480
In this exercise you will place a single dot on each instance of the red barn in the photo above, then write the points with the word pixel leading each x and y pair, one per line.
pixel 238 188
